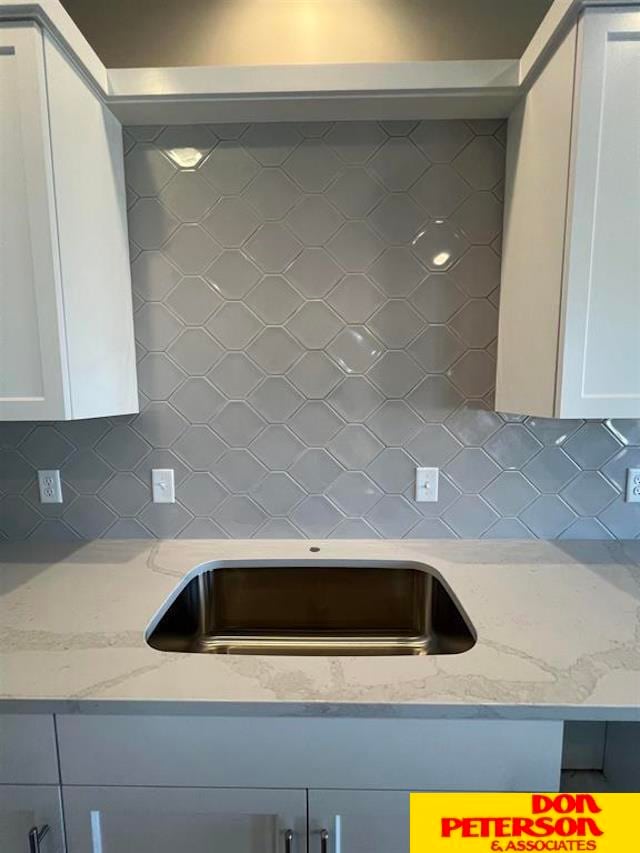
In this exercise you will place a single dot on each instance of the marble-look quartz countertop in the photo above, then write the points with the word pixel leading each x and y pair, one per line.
pixel 558 628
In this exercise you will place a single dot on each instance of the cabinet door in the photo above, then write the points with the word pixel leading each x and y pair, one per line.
pixel 197 820
pixel 599 365
pixel 33 362
pixel 27 807
pixel 359 821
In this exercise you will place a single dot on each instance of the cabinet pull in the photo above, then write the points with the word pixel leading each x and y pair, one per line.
pixel 35 837
pixel 324 841
pixel 288 841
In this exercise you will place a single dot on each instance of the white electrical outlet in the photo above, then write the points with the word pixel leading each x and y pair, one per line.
pixel 50 487
pixel 633 485
pixel 427 484
pixel 162 486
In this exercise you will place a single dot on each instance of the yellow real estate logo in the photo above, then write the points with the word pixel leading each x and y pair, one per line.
pixel 510 823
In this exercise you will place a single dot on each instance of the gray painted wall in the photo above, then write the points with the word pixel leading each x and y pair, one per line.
pixel 316 315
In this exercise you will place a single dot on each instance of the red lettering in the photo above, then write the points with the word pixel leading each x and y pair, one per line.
pixel 541 803
pixel 588 801
pixel 566 826
pixel 588 823
pixel 502 827
pixel 449 825
pixel 564 804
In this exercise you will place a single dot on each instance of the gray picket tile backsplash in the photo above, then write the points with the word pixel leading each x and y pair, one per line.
pixel 316 313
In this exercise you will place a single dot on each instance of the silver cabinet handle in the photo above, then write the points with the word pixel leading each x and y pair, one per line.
pixel 324 841
pixel 288 841
pixel 35 837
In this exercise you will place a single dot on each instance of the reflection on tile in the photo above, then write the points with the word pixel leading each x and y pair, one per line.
pixel 439 245
pixel 315 316
pixel 186 145
pixel 355 349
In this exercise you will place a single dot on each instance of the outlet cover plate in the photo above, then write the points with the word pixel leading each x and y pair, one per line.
pixel 427 484
pixel 50 487
pixel 633 485
pixel 163 486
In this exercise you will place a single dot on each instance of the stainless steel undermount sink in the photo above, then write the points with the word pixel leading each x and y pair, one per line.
pixel 312 608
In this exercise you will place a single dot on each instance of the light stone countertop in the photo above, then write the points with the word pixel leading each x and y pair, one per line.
pixel 558 627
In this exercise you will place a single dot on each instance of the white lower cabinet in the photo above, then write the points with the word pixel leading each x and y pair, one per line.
pixel 194 820
pixel 140 819
pixel 27 811
pixel 149 783
pixel 358 821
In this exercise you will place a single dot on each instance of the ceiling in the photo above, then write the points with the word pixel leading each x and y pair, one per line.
pixel 149 33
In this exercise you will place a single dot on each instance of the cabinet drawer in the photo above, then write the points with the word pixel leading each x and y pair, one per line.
pixel 166 820
pixel 28 750
pixel 25 807
pixel 310 753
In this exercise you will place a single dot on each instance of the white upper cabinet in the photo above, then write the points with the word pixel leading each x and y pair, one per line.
pixel 66 321
pixel 569 340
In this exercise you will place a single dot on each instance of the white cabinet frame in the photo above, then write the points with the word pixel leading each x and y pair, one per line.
pixel 66 318
pixel 570 296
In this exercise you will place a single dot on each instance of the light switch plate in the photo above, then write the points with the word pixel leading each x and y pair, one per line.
pixel 163 486
pixel 633 485
pixel 50 487
pixel 427 484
